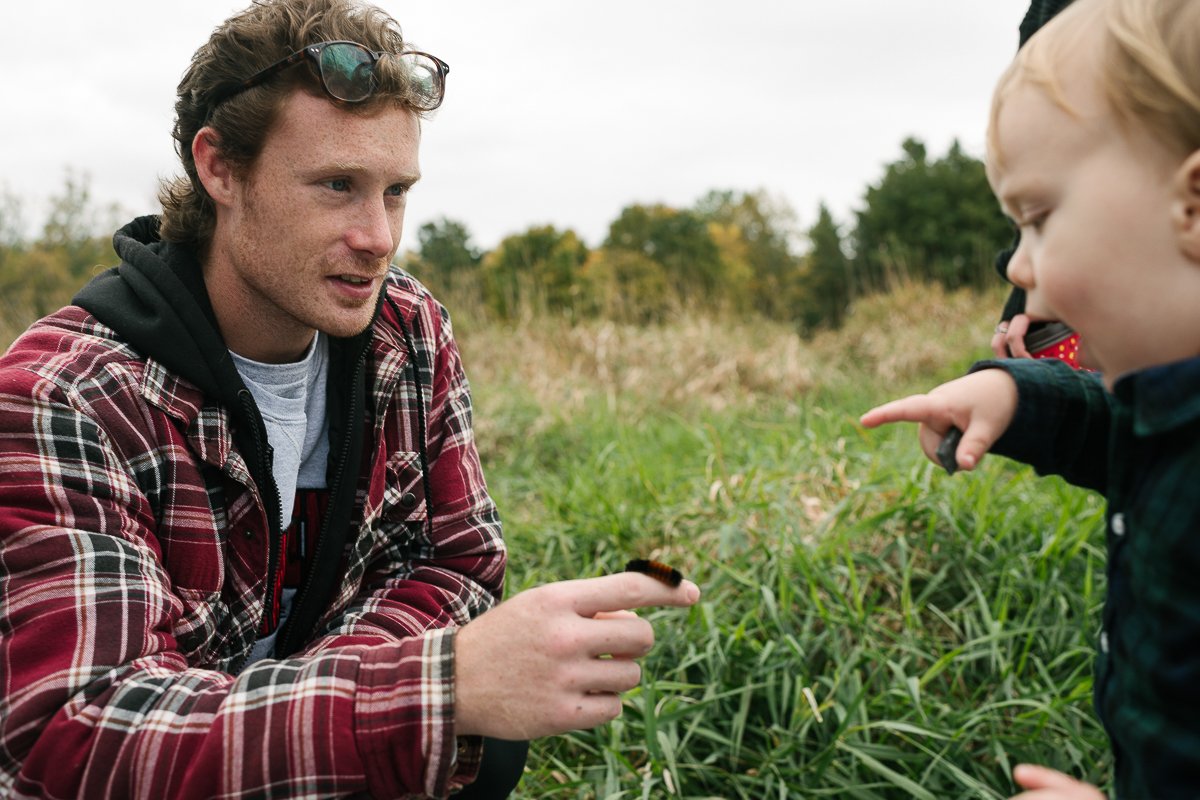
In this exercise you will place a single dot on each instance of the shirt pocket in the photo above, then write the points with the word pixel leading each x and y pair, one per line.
pixel 204 628
pixel 399 521
pixel 404 489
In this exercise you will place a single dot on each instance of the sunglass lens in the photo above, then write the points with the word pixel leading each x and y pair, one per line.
pixel 425 77
pixel 348 71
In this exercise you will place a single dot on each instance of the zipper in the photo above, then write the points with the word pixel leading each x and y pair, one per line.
pixel 284 643
pixel 274 522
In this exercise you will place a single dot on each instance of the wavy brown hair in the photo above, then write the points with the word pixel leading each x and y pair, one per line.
pixel 244 44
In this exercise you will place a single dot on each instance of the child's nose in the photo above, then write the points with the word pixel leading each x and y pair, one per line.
pixel 1020 267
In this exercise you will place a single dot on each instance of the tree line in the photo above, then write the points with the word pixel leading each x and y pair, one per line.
pixel 926 219
pixel 41 274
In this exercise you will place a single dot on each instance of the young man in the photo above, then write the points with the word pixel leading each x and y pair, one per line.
pixel 1095 153
pixel 245 543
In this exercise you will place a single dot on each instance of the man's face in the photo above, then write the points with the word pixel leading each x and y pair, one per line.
pixel 1098 248
pixel 305 243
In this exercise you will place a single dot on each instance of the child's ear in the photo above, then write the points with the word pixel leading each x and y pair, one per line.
pixel 1186 211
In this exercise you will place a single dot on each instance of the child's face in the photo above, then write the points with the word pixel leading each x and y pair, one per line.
pixel 1099 248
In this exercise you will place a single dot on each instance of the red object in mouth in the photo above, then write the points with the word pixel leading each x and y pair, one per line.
pixel 1053 340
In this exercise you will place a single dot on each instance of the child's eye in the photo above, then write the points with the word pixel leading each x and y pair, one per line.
pixel 1036 221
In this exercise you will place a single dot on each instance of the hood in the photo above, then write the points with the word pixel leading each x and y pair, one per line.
pixel 157 302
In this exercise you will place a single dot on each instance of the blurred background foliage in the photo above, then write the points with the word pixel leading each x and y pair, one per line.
pixel 740 253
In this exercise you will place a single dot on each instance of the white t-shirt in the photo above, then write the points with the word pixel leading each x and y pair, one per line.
pixel 291 399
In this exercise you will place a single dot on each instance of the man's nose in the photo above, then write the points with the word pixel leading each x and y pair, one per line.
pixel 371 232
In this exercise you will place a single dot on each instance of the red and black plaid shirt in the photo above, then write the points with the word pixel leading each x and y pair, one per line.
pixel 133 552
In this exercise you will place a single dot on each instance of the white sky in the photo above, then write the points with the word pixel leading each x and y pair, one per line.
pixel 556 112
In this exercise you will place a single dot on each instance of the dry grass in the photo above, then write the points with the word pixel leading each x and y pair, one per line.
pixel 898 339
pixel 13 320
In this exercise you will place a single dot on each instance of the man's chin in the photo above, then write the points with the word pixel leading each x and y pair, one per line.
pixel 345 328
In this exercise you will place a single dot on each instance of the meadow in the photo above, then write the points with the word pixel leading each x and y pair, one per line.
pixel 870 627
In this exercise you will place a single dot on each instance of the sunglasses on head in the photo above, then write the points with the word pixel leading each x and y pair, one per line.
pixel 347 71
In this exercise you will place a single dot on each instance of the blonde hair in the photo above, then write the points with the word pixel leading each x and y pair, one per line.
pixel 1149 71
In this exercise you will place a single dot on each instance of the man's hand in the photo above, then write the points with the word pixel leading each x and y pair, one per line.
pixel 556 657
pixel 1042 783
pixel 981 405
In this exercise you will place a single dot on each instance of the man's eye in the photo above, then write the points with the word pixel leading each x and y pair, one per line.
pixel 398 190
pixel 338 184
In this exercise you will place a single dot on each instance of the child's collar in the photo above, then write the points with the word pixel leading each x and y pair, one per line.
pixel 1162 398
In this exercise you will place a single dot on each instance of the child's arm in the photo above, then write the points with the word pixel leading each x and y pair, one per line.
pixel 981 405
pixel 1058 423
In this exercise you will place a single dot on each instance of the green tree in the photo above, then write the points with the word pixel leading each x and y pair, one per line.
pixel 680 243
pixel 760 260
pixel 77 232
pixel 928 220
pixel 447 260
pixel 827 284
pixel 38 277
pixel 627 286
pixel 539 270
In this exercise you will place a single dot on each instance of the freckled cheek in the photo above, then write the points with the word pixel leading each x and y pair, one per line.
pixel 396 223
pixel 327 229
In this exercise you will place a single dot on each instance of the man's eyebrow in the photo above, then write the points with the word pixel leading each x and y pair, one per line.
pixel 355 167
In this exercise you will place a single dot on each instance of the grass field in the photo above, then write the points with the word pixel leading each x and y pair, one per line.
pixel 870 627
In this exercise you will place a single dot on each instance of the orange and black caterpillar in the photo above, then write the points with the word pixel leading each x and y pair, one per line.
pixel 656 569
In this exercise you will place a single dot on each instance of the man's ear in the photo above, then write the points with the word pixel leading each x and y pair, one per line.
pixel 213 170
pixel 1186 210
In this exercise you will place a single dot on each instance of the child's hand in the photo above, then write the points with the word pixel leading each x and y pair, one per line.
pixel 1043 783
pixel 1009 341
pixel 981 405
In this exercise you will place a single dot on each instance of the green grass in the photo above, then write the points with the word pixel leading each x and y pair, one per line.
pixel 869 628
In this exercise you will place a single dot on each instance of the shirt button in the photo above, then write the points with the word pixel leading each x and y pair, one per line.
pixel 248 533
pixel 408 500
pixel 1104 642
pixel 1118 524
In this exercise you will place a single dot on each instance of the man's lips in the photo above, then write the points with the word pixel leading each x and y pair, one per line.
pixel 355 287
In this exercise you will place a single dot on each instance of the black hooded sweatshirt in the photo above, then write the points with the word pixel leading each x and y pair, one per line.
pixel 157 301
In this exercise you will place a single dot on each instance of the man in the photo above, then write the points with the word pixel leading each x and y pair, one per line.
pixel 245 543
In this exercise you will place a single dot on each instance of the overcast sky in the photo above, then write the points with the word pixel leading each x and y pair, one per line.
pixel 556 111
